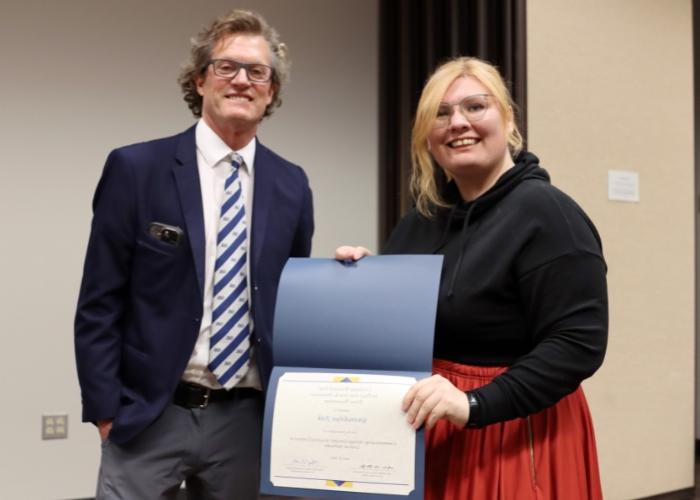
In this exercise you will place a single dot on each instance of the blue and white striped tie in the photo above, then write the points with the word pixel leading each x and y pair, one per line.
pixel 229 345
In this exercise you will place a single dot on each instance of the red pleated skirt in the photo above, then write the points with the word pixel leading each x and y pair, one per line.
pixel 548 455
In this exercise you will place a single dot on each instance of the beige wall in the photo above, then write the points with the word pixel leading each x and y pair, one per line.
pixel 610 87
pixel 81 77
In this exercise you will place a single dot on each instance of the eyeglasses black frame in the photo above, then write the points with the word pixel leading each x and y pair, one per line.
pixel 241 65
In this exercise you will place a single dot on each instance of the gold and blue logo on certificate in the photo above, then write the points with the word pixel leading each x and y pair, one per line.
pixel 338 484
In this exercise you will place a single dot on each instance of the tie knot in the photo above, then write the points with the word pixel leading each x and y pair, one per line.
pixel 236 161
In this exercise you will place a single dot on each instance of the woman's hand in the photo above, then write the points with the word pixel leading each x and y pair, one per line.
pixel 434 398
pixel 351 253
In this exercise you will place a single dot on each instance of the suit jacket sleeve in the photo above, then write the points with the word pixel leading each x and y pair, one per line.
pixel 102 303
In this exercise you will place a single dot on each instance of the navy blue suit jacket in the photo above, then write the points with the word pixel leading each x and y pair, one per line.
pixel 140 303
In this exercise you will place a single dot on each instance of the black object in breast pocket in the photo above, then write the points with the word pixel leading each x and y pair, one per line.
pixel 171 235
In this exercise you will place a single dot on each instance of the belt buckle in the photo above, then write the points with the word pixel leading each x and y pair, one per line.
pixel 205 402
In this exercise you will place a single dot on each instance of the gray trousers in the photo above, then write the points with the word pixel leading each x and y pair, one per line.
pixel 215 451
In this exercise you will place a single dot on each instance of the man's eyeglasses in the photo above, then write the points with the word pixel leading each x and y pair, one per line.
pixel 473 108
pixel 228 68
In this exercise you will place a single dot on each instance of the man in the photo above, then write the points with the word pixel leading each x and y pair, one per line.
pixel 190 233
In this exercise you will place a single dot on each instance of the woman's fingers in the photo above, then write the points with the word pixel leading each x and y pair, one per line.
pixel 432 399
pixel 347 252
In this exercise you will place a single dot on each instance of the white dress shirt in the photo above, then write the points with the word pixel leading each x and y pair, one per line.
pixel 214 166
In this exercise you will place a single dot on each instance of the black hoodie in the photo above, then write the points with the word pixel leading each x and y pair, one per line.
pixel 523 285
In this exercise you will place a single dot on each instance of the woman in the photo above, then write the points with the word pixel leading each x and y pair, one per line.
pixel 522 308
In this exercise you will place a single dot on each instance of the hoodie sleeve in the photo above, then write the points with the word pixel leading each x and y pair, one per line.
pixel 566 303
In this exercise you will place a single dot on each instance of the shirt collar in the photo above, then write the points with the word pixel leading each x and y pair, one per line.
pixel 214 149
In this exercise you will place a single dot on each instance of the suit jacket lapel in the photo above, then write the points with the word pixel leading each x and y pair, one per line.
pixel 262 201
pixel 189 190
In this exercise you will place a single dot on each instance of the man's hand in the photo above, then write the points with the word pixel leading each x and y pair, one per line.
pixel 434 398
pixel 104 426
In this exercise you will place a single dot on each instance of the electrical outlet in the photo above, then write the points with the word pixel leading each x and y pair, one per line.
pixel 54 426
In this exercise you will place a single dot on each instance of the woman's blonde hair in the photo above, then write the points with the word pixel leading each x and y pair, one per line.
pixel 424 187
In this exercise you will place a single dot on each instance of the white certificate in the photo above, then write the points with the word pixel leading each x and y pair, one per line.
pixel 342 432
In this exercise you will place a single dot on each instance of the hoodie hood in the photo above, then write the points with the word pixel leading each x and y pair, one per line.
pixel 419 234
pixel 527 167
pixel 464 213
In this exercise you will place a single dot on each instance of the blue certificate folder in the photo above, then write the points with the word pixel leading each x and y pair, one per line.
pixel 376 315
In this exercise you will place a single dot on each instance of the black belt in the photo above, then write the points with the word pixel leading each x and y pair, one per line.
pixel 195 396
